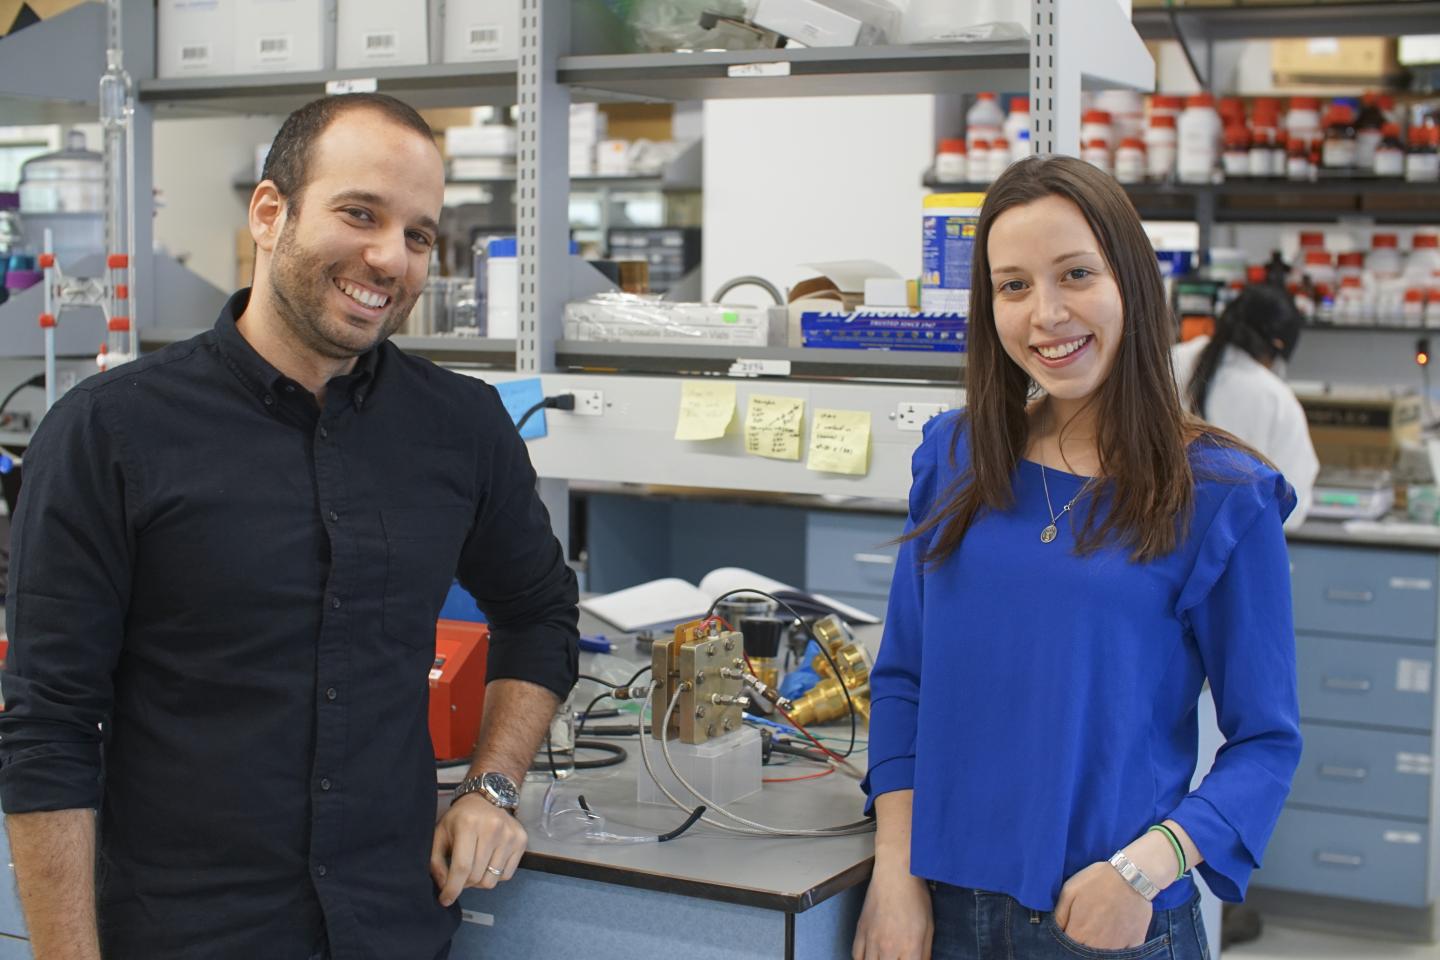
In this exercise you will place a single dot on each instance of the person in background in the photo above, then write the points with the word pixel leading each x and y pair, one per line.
pixel 1230 380
pixel 1081 556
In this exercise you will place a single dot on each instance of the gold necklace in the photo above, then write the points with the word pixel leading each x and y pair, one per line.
pixel 1051 531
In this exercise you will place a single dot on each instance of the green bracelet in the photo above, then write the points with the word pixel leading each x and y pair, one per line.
pixel 1175 845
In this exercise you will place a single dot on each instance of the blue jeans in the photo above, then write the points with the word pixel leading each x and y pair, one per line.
pixel 976 925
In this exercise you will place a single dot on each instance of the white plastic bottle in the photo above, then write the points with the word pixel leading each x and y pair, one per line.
pixel 999 157
pixel 1160 147
pixel 950 161
pixel 1017 128
pixel 1127 113
pixel 1130 160
pixel 977 162
pixel 1384 260
pixel 984 120
pixel 1199 139
pixel 1303 119
pixel 1423 264
pixel 1096 125
pixel 1097 154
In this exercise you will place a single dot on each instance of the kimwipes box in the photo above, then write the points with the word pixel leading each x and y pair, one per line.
pixel 1361 431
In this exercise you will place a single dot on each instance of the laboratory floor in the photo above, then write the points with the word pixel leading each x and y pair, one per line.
pixel 1289 943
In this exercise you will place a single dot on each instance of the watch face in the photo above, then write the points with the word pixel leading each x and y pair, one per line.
pixel 501 788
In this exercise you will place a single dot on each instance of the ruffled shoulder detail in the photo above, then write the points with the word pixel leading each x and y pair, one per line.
pixel 1233 492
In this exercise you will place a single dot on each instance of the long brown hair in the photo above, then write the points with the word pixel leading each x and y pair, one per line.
pixel 1142 428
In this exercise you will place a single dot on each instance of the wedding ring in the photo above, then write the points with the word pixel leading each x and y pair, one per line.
pixel 492 871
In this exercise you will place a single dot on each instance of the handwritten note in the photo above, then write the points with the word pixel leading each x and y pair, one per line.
pixel 705 410
pixel 519 396
pixel 840 442
pixel 772 426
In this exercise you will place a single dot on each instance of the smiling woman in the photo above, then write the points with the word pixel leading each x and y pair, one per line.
pixel 1034 698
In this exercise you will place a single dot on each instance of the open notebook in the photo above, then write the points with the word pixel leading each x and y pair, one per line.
pixel 669 601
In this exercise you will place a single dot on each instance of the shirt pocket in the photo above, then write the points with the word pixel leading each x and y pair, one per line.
pixel 422 551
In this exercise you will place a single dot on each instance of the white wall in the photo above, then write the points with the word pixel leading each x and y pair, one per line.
pixel 196 161
pixel 793 181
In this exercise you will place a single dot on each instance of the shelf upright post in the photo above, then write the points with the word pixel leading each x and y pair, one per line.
pixel 137 36
pixel 1054 79
pixel 543 207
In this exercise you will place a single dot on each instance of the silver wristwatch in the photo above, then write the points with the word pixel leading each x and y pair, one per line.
pixel 495 787
pixel 1133 875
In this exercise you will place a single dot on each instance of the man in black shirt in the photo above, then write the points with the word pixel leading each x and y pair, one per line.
pixel 228 561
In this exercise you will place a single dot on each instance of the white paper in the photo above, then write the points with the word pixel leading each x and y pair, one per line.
pixel 724 579
pixel 666 601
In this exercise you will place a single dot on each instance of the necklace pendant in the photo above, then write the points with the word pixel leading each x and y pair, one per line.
pixel 1048 534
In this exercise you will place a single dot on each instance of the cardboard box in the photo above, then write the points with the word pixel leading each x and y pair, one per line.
pixel 18 14
pixel 284 35
pixel 195 38
pixel 481 30
pixel 381 33
pixel 1361 431
pixel 1323 59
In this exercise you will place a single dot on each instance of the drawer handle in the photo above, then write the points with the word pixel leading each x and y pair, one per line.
pixel 1340 859
pixel 1349 596
pixel 1343 773
pixel 877 559
pixel 1348 684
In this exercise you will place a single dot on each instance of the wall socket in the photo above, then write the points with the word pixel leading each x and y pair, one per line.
pixel 589 403
pixel 914 416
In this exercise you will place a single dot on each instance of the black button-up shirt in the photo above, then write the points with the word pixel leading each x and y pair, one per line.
pixel 241 588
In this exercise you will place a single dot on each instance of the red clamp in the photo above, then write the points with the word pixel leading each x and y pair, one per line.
pixel 47 320
pixel 119 324
pixel 46 260
pixel 117 261
pixel 122 292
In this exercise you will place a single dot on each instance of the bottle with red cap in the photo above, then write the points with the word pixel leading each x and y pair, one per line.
pixel 1302 121
pixel 977 162
pixel 1236 158
pixel 1261 148
pixel 1412 313
pixel 1017 128
pixel 1161 146
pixel 1199 139
pixel 1422 162
pixel 1432 308
pixel 1297 160
pixel 950 161
pixel 1339 152
pixel 1384 260
pixel 999 157
pixel 1130 160
pixel 1097 154
pixel 1423 264
pixel 1350 264
pixel 1369 131
pixel 1389 158
pixel 984 120
pixel 1320 268
pixel 1350 302
pixel 1232 111
pixel 1095 125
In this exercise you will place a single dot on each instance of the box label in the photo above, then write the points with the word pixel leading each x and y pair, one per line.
pixel 273 49
pixel 1412 676
pixel 195 55
pixel 781 69
pixel 484 38
pixel 1410 583
pixel 1418 764
pixel 1403 836
pixel 380 46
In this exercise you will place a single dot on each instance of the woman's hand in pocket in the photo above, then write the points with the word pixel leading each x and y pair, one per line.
pixel 897 922
pixel 1098 909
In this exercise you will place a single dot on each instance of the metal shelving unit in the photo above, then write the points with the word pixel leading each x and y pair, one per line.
pixel 804 363
pixel 1270 21
pixel 1274 201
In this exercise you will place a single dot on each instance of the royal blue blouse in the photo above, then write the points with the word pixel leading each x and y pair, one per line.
pixel 1042 705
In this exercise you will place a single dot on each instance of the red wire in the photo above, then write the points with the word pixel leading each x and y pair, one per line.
pixel 809 776
pixel 826 750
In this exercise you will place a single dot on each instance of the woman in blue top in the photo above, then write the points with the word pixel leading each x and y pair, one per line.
pixel 1081 556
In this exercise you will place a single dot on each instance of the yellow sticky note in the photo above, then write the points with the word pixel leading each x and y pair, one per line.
pixel 772 426
pixel 705 410
pixel 840 442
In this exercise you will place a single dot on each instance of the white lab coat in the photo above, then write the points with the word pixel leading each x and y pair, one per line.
pixel 1254 404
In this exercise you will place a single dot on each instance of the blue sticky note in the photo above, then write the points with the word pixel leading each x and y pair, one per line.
pixel 519 396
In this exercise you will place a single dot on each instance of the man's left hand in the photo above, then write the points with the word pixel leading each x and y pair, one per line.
pixel 476 845
pixel 1098 909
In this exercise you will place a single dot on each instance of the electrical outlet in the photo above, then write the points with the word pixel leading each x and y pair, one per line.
pixel 589 403
pixel 914 416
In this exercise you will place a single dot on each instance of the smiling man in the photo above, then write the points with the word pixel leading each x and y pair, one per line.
pixel 228 561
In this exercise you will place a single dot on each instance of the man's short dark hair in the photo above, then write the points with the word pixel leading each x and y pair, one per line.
pixel 288 164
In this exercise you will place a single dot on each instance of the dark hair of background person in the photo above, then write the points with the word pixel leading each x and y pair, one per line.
pixel 288 164
pixel 1143 429
pixel 1262 320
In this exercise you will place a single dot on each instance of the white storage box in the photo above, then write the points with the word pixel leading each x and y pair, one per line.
pixel 282 35
pixel 725 769
pixel 195 38
pixel 493 140
pixel 621 318
pixel 808 21
pixel 381 33
pixel 481 30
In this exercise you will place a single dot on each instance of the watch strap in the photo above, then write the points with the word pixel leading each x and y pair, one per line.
pixel 477 785
pixel 1134 876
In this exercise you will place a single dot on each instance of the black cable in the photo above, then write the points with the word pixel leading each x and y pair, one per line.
pixel 618 755
pixel 561 401
pixel 823 652
pixel 36 381
pixel 580 729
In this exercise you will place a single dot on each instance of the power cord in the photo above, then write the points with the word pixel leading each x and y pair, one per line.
pixel 561 401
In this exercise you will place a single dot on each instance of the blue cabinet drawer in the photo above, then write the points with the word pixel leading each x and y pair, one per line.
pixel 1344 855
pixel 1364 771
pixel 12 948
pixel 851 552
pixel 1364 592
pixel 1365 681
pixel 873 605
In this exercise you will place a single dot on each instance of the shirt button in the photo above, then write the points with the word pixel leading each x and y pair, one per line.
pixel 320 870
pixel 289 388
pixel 324 783
pixel 331 693
pixel 269 400
pixel 333 516
pixel 335 603
pixel 324 434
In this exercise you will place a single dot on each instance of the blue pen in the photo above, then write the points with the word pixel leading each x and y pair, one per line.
pixel 596 644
